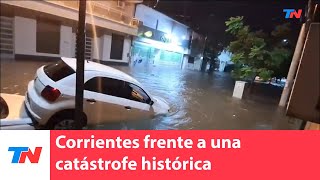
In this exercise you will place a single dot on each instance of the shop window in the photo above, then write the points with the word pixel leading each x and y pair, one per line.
pixel 172 57
pixel 48 36
pixel 116 47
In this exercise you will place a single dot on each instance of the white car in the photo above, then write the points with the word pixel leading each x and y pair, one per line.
pixel 109 96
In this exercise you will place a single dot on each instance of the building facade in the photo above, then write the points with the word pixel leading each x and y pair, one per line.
pixel 197 45
pixel 161 41
pixel 47 29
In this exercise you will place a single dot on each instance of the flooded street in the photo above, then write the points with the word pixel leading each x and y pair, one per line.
pixel 204 101
pixel 198 100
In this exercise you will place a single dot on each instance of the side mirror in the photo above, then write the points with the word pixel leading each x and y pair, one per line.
pixel 151 103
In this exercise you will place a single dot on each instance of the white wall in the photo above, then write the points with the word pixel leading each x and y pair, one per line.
pixel 96 48
pixel 197 64
pixel 165 25
pixel 126 49
pixel 144 14
pixel 73 45
pixel 52 9
pixel 106 47
pixel 106 42
pixel 24 35
pixel 149 17
pixel 66 41
pixel 25 39
pixel 180 32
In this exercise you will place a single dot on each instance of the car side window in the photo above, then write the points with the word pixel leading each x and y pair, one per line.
pixel 104 85
pixel 117 88
pixel 137 94
pixel 93 85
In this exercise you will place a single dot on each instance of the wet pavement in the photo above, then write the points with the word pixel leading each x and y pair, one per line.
pixel 199 100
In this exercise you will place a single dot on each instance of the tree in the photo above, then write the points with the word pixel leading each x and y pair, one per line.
pixel 256 53
pixel 211 53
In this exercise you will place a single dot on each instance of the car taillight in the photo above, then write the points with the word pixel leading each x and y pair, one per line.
pixel 50 94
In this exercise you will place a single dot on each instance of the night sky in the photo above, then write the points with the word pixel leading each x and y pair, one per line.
pixel 208 17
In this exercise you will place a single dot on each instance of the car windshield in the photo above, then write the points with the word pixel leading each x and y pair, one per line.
pixel 58 70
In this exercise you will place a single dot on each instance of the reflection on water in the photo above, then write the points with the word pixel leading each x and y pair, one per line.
pixel 202 101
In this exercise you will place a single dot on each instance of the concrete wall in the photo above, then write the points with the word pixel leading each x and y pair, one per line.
pixel 148 16
pixel 102 49
pixel 126 49
pixel 25 42
pixel 197 64
pixel 165 24
pixel 128 8
pixel 304 102
pixel 25 37
pixel 106 47
pixel 73 45
pixel 66 41
pixel 96 50
pixel 49 8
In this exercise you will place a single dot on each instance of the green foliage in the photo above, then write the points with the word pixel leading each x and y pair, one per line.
pixel 211 53
pixel 257 53
pixel 265 74
pixel 235 24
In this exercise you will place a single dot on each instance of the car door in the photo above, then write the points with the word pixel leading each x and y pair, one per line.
pixel 136 102
pixel 100 102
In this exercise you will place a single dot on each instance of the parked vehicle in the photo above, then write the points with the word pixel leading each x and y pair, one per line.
pixel 109 96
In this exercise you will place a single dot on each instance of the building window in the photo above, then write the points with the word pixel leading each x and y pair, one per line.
pixel 48 36
pixel 191 60
pixel 116 47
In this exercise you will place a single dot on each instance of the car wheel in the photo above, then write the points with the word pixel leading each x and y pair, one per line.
pixel 63 121
pixel 3 108
pixel 64 124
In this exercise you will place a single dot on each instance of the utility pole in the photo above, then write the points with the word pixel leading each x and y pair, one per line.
pixel 80 46
pixel 293 67
pixel 297 54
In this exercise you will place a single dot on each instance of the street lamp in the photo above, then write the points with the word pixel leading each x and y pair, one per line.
pixel 80 46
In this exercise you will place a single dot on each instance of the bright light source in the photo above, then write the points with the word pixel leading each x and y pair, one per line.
pixel 183 37
pixel 164 46
pixel 174 40
pixel 148 34
pixel 168 36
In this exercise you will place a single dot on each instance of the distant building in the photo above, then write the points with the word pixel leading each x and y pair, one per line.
pixel 224 60
pixel 197 45
pixel 47 29
pixel 161 40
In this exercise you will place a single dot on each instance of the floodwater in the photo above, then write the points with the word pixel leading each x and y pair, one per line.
pixel 198 100
pixel 204 101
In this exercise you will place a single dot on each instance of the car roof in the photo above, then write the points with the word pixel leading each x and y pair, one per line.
pixel 100 68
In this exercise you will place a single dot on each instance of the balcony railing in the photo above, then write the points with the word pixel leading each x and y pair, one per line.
pixel 100 10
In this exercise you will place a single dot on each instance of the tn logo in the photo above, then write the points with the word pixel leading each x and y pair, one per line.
pixel 292 12
pixel 21 153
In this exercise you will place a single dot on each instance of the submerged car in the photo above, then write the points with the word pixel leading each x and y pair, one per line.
pixel 109 96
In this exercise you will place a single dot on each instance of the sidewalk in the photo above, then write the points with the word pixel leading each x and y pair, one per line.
pixel 17 118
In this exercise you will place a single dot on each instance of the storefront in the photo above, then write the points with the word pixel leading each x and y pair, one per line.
pixel 157 49
pixel 162 43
